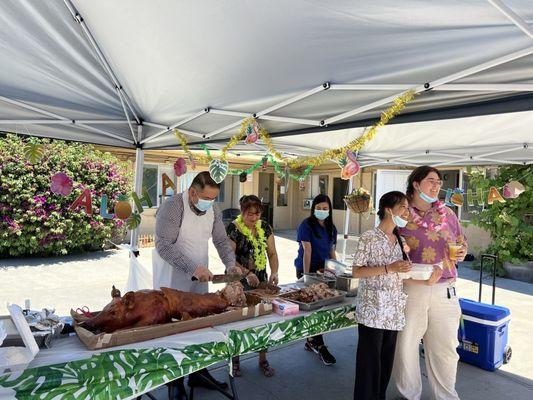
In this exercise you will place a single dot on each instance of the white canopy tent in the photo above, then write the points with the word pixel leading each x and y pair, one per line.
pixel 315 73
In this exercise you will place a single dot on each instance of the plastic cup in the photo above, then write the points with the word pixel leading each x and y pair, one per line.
pixel 454 248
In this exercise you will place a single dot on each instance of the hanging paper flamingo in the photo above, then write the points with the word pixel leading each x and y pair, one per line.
pixel 252 132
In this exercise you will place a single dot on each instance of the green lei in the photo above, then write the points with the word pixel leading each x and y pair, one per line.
pixel 259 244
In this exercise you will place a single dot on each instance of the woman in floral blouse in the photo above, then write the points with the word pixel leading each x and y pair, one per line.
pixel 380 300
pixel 252 240
pixel 432 312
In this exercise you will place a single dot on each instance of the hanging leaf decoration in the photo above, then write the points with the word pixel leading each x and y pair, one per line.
pixel 33 152
pixel 218 170
pixel 133 221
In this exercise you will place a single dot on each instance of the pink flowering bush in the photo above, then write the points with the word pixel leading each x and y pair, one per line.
pixel 34 221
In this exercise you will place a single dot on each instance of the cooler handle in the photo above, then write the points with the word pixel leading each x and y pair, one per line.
pixel 494 262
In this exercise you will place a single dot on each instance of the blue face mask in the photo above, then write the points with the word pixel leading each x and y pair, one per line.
pixel 399 221
pixel 204 205
pixel 428 199
pixel 321 214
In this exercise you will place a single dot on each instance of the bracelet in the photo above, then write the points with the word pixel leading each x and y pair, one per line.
pixel 386 270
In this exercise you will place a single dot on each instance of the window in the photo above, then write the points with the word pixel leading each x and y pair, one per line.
pixel 282 193
pixel 150 182
pixel 220 198
pixel 340 189
pixel 319 185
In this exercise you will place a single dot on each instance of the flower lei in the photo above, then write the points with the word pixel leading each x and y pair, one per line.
pixel 441 209
pixel 259 244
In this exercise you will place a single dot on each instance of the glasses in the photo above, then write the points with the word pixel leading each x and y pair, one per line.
pixel 434 182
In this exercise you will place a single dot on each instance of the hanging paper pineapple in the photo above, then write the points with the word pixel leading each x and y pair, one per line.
pixel 122 207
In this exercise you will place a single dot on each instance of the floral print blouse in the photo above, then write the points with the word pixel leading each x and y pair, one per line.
pixel 380 301
pixel 431 246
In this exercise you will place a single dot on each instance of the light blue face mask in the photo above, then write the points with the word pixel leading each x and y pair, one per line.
pixel 204 205
pixel 428 199
pixel 399 221
pixel 321 214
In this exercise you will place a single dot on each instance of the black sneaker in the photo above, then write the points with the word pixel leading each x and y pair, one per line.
pixel 326 357
pixel 309 346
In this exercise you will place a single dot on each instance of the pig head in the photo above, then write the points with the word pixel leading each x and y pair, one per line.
pixel 151 307
pixel 134 309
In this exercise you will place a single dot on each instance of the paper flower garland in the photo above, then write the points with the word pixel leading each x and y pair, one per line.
pixel 61 184
pixel 180 166
pixel 218 169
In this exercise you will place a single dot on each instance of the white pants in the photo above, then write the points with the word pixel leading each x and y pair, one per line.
pixel 430 315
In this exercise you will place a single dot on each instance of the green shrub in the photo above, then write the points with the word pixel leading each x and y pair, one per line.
pixel 35 221
pixel 512 235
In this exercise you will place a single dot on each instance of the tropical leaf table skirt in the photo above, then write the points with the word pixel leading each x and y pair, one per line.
pixel 69 371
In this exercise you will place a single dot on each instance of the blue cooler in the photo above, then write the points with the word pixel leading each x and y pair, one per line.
pixel 483 334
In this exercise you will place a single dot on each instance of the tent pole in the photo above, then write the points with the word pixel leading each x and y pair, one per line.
pixel 169 128
pixel 346 222
pixel 275 107
pixel 127 117
pixel 515 18
pixel 137 186
pixel 439 82
pixel 100 56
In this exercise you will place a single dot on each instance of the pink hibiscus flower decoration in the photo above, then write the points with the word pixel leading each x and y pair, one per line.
pixel 61 184
pixel 180 166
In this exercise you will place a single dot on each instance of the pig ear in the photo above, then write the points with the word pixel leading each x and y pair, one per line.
pixel 129 300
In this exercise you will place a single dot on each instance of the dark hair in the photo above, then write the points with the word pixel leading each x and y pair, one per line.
pixel 313 221
pixel 418 175
pixel 250 201
pixel 389 200
pixel 204 179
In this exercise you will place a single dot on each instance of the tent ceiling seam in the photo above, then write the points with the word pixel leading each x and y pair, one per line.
pixel 100 56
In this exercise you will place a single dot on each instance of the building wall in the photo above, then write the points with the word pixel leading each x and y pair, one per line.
pixel 290 216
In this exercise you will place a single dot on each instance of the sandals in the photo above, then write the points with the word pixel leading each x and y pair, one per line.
pixel 267 370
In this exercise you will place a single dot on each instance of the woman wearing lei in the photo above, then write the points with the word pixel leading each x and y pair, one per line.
pixel 432 312
pixel 252 240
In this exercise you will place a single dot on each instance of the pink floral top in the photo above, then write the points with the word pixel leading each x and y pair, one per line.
pixel 429 245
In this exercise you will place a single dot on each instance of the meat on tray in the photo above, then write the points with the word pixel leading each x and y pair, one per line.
pixel 311 293
pixel 151 307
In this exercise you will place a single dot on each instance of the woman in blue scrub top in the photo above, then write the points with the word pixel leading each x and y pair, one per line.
pixel 317 238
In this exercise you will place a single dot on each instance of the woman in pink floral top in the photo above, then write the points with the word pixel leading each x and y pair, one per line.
pixel 432 312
